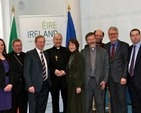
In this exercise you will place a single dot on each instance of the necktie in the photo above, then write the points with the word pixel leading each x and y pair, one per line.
pixel 113 50
pixel 44 67
pixel 132 62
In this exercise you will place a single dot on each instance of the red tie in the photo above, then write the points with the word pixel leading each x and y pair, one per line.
pixel 113 51
pixel 132 62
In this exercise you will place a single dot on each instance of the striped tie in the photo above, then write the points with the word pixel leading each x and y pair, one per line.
pixel 44 67
pixel 132 62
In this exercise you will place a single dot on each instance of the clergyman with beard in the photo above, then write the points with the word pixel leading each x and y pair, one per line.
pixel 95 73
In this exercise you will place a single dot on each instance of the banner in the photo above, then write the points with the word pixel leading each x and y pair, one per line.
pixel 70 29
pixel 34 25
pixel 13 34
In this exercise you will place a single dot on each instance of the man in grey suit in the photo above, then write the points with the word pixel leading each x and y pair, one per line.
pixel 37 79
pixel 96 74
pixel 118 52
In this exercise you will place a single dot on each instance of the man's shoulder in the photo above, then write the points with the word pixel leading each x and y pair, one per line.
pixel 31 51
pixel 124 43
pixel 49 49
pixel 85 49
pixel 101 49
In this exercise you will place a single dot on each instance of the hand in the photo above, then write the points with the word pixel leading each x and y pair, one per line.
pixel 123 81
pixel 57 73
pixel 78 90
pixel 62 72
pixel 31 89
pixel 103 84
pixel 8 88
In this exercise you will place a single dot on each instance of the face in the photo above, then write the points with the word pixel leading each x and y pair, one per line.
pixel 17 47
pixel 113 35
pixel 98 36
pixel 1 47
pixel 135 37
pixel 91 40
pixel 40 43
pixel 72 47
pixel 57 41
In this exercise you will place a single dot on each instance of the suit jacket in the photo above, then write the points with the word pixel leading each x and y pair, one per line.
pixel 60 63
pixel 17 67
pixel 137 69
pixel 33 70
pixel 75 70
pixel 101 65
pixel 118 64
pixel 3 74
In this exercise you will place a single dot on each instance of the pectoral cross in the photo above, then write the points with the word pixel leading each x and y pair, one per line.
pixel 56 58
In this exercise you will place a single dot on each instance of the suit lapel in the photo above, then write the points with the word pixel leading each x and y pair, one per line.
pixel 36 55
pixel 88 57
pixel 108 48
pixel 97 56
pixel 138 56
pixel 118 49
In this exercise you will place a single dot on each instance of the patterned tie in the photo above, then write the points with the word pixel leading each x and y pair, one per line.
pixel 132 62
pixel 113 51
pixel 44 67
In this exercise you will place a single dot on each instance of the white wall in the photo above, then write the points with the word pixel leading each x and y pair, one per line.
pixel 101 14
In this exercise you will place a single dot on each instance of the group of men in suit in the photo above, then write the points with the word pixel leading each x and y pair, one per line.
pixel 105 65
pixel 114 68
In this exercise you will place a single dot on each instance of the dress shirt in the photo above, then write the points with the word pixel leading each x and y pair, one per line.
pixel 39 53
pixel 137 46
pixel 116 44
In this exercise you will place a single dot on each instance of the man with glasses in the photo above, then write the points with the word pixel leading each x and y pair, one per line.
pixel 99 34
pixel 118 52
pixel 134 71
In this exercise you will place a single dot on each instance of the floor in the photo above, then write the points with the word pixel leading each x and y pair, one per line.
pixel 95 112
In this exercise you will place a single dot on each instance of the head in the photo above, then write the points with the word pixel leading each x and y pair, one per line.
pixel 40 42
pixel 73 45
pixel 135 36
pixel 113 34
pixel 99 36
pixel 2 46
pixel 57 40
pixel 90 39
pixel 17 46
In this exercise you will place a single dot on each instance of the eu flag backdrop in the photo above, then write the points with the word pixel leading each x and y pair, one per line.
pixel 70 29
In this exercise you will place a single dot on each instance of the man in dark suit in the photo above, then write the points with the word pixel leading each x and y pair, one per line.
pixel 99 34
pixel 37 78
pixel 19 94
pixel 118 52
pixel 96 74
pixel 59 57
pixel 134 70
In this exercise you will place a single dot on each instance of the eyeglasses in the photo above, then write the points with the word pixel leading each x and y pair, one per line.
pixel 135 35
pixel 113 34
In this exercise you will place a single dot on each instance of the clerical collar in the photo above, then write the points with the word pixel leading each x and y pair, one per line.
pixel 17 54
pixel 57 47
pixel 93 48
